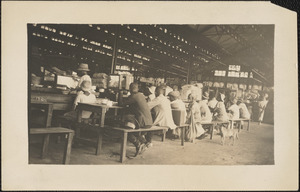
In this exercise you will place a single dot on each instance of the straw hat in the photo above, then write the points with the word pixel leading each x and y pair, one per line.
pixel 83 67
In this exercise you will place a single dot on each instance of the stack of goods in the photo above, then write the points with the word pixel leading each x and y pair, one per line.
pixel 100 80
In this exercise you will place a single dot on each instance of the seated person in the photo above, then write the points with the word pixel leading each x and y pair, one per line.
pixel 85 96
pixel 234 110
pixel 212 102
pixel 219 112
pixel 194 118
pixel 244 113
pixel 138 116
pixel 178 104
pixel 161 109
pixel 206 115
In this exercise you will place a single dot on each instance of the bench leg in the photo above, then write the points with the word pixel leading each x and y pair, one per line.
pixel 68 148
pixel 248 128
pixel 231 125
pixel 211 131
pixel 182 135
pixel 58 139
pixel 45 146
pixel 163 137
pixel 99 143
pixel 123 148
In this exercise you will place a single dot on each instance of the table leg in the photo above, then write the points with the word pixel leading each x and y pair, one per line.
pixel 68 147
pixel 123 148
pixel 102 117
pixel 99 142
pixel 49 115
pixel 45 146
pixel 239 126
pixel 182 135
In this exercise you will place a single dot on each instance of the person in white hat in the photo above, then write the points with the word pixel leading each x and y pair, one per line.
pixel 82 72
pixel 83 97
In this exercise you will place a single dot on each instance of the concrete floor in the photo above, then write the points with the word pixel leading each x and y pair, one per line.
pixel 255 147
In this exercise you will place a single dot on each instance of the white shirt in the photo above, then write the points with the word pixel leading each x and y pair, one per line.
pixel 82 98
pixel 244 111
pixel 163 111
pixel 205 112
pixel 235 111
pixel 212 103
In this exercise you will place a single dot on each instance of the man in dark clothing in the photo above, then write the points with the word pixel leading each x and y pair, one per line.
pixel 142 117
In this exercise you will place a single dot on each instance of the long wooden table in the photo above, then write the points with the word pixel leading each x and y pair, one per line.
pixel 96 108
pixel 60 101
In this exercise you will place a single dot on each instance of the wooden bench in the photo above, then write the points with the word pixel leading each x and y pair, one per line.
pixel 125 132
pixel 211 126
pixel 232 121
pixel 54 130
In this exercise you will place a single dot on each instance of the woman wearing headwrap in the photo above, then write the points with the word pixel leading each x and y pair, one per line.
pixel 206 115
pixel 193 119
pixel 219 111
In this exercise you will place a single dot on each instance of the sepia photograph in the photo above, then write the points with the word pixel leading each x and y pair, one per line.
pixel 164 95
pixel 151 94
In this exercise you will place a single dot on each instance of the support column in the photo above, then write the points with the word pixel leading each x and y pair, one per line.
pixel 115 51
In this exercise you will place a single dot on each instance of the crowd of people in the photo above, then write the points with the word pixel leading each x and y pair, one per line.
pixel 153 107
